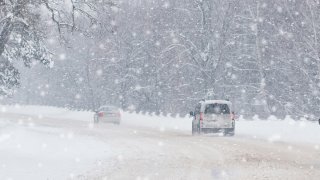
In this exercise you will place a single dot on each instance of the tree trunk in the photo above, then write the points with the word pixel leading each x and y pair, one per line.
pixel 5 34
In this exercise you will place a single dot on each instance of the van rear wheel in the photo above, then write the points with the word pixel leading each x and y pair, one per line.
pixel 229 132
pixel 95 119
pixel 195 130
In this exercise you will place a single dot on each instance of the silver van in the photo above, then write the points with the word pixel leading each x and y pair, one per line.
pixel 213 116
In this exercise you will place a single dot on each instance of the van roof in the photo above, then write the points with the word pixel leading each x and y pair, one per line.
pixel 217 101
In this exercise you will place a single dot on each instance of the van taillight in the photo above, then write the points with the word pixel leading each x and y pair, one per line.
pixel 232 116
pixel 201 120
pixel 100 114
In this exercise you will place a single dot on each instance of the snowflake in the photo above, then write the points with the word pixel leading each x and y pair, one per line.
pixel 315 92
pixel 77 160
pixel 264 41
pixel 271 62
pixel 271 96
pixel 114 9
pixel 264 102
pixel 19 146
pixel 175 40
pixel 253 27
pixel 138 87
pixel 289 35
pixel 158 43
pixel 77 96
pixel 101 46
pixel 260 19
pixel 281 32
pixel 44 146
pixel 51 41
pixel 94 26
pixel 99 72
pixel 166 5
pixel 40 165
pixel 113 23
pixel 42 93
pixel 228 64
pixel 217 35
pixel 62 56
pixel 120 157
pixel 264 5
pixel 148 32
pixel 132 108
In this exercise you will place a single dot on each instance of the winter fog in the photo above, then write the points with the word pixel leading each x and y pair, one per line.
pixel 159 89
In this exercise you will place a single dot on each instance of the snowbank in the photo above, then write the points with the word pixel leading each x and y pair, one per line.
pixel 42 152
pixel 287 130
pixel 47 111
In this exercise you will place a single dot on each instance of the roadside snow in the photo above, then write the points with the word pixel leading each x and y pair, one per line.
pixel 35 152
pixel 46 111
pixel 272 130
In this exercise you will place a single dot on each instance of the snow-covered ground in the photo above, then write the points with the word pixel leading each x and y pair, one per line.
pixel 54 143
pixel 29 151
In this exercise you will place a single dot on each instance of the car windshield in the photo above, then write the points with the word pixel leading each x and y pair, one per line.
pixel 108 108
pixel 217 109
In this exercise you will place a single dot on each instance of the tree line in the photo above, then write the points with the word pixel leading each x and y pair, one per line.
pixel 165 55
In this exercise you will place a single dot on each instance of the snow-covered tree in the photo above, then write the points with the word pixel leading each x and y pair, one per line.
pixel 25 25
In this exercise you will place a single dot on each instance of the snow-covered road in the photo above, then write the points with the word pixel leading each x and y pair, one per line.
pixel 43 147
pixel 147 154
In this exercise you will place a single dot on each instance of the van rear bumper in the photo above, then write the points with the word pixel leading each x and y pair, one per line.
pixel 215 130
pixel 219 125
pixel 115 120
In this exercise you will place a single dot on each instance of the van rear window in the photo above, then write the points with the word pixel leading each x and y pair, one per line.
pixel 217 109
